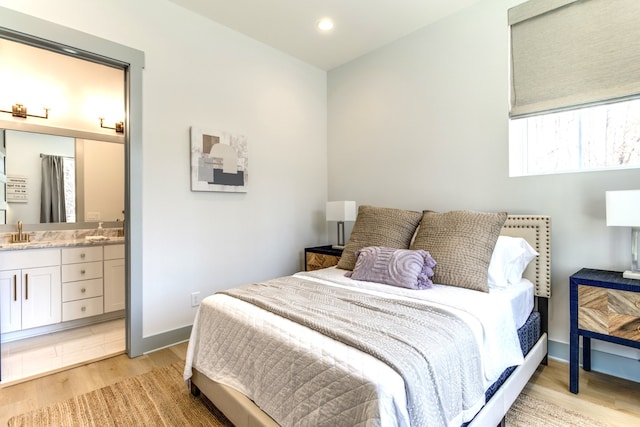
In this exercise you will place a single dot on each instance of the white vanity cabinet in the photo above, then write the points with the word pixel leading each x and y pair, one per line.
pixel 82 284
pixel 48 289
pixel 30 289
pixel 114 278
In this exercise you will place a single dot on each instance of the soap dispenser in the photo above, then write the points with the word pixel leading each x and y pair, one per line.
pixel 100 229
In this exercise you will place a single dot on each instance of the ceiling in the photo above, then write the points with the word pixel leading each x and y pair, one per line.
pixel 360 25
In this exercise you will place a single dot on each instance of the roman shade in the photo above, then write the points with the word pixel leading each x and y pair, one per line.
pixel 568 54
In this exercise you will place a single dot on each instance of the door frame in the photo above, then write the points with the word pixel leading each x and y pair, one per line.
pixel 44 34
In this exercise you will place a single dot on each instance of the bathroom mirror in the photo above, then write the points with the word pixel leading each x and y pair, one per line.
pixel 94 179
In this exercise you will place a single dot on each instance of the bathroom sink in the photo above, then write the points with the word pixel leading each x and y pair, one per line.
pixel 96 238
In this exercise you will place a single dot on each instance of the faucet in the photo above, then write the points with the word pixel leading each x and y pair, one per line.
pixel 20 237
pixel 120 232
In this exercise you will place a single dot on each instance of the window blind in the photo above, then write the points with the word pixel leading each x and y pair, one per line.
pixel 568 54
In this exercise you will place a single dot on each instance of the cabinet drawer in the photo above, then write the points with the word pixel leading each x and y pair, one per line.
pixel 609 312
pixel 83 271
pixel 10 260
pixel 113 251
pixel 84 254
pixel 83 289
pixel 81 308
pixel 624 314
pixel 316 261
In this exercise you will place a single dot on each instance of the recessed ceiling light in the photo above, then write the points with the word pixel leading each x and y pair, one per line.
pixel 325 24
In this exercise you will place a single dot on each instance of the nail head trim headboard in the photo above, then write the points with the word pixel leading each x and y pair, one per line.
pixel 535 229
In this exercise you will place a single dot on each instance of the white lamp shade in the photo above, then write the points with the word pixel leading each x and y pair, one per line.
pixel 341 211
pixel 623 208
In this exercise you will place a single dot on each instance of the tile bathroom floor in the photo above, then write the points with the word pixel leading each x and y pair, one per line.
pixel 34 357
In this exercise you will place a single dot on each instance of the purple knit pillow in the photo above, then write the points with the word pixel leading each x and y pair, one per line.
pixel 403 268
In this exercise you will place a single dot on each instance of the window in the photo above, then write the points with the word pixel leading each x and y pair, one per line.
pixel 575 86
pixel 69 185
pixel 594 138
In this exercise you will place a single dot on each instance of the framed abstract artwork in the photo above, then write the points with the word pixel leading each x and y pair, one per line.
pixel 219 161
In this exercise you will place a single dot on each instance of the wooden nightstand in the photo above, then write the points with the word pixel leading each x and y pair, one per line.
pixel 321 257
pixel 604 306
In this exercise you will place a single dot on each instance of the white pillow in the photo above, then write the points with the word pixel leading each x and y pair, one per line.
pixel 509 259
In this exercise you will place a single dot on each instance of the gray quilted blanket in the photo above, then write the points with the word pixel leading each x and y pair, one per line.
pixel 432 349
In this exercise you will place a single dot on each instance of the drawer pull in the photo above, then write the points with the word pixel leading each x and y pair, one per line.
pixel 26 286
pixel 83 309
pixel 82 255
pixel 82 271
pixel 83 290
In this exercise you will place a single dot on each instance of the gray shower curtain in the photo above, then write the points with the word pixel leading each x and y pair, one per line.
pixel 52 207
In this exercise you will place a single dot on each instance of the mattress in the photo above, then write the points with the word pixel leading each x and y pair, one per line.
pixel 519 296
pixel 528 334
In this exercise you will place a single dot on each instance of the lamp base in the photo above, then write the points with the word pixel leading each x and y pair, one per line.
pixel 631 275
pixel 342 247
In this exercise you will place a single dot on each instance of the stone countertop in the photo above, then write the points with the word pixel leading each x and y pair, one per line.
pixel 63 238
pixel 61 243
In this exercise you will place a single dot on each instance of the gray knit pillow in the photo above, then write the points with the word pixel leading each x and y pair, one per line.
pixel 461 242
pixel 375 226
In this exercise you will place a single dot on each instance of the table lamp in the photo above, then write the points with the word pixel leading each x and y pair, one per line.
pixel 623 210
pixel 341 212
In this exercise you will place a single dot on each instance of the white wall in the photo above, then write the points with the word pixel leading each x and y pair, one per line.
pixel 422 124
pixel 199 73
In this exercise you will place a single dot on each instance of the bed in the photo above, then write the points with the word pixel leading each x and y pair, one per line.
pixel 258 364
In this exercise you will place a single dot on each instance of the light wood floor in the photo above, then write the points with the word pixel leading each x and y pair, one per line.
pixel 37 393
pixel 610 400
pixel 613 401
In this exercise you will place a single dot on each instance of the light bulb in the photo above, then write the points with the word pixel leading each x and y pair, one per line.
pixel 325 24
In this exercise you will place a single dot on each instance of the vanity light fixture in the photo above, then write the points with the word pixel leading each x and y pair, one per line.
pixel 119 126
pixel 19 110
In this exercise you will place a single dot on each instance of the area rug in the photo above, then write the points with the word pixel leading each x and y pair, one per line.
pixel 160 398
pixel 528 411
pixel 156 398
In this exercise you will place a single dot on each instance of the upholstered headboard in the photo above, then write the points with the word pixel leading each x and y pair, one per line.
pixel 535 229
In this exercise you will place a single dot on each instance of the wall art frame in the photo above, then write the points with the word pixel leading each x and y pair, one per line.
pixel 219 161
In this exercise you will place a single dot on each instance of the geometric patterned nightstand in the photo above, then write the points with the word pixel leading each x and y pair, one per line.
pixel 321 257
pixel 603 306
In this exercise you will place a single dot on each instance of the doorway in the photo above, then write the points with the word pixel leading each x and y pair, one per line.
pixel 65 41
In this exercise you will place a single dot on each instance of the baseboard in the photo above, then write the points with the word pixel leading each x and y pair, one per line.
pixel 165 339
pixel 607 363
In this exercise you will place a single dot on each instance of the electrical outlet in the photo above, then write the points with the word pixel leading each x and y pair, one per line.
pixel 195 299
pixel 93 216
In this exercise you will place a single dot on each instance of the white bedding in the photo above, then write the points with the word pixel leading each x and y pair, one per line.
pixel 260 341
pixel 500 312
pixel 269 340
